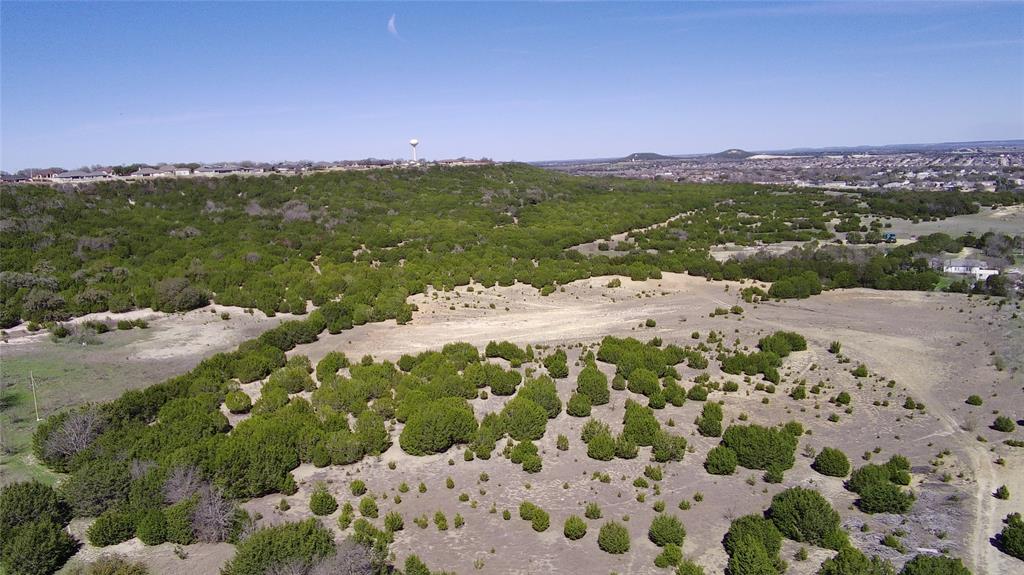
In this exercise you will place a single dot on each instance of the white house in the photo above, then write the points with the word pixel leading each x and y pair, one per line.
pixel 974 268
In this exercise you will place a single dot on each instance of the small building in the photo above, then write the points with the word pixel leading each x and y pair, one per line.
pixel 976 268
pixel 180 171
pixel 144 173
pixel 78 176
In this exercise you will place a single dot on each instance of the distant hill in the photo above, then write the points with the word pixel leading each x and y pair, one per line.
pixel 646 157
pixel 732 154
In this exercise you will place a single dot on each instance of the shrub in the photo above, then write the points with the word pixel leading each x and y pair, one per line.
pixel 710 422
pixel 111 565
pixel 756 528
pixel 782 343
pixel 850 561
pixel 1004 424
pixel 28 502
pixel 593 511
pixel 749 557
pixel 720 461
pixel 538 518
pixel 831 462
pixel 666 529
pixel 556 364
pixel 36 548
pixel 613 538
pixel 934 565
pixel 1003 492
pixel 321 502
pixel 578 406
pixel 415 566
pixel 357 487
pixel 524 419
pixel 575 528
pixel 885 498
pixel 368 507
pixel 974 400
pixel 670 556
pixel 393 522
pixel 640 425
pixel 643 381
pixel 803 515
pixel 372 434
pixel 271 547
pixel 438 425
pixel 237 401
pixel 152 527
pixel 562 443
pixel 601 447
pixel 440 521
pixel 624 448
pixel 592 383
pixel 759 447
pixel 592 428
pixel 687 567
pixel 177 294
pixel 111 528
pixel 179 521
pixel 668 447
pixel 1011 539
pixel 697 393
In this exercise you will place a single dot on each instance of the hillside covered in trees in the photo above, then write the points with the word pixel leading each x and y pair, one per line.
pixel 367 240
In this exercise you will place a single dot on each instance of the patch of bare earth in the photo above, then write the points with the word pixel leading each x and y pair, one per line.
pixel 936 347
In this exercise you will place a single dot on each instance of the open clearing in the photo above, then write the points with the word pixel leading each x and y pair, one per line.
pixel 72 372
pixel 938 348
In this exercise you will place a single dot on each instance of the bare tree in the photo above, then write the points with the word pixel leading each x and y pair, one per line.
pixel 74 434
pixel 211 520
pixel 140 467
pixel 350 558
pixel 182 482
pixel 291 567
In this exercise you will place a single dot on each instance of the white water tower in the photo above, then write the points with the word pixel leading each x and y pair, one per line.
pixel 414 142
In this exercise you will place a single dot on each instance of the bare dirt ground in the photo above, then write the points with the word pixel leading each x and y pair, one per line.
pixel 1006 220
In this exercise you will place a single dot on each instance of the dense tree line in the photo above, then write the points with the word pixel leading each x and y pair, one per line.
pixel 276 242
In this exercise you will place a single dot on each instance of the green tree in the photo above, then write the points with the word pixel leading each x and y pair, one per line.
pixel 271 547
pixel 601 447
pixel 152 527
pixel 524 419
pixel 750 558
pixel 805 516
pixel 720 461
pixel 111 528
pixel 372 433
pixel 30 501
pixel 592 383
pixel 578 406
pixel 36 548
pixel 831 462
pixel 934 565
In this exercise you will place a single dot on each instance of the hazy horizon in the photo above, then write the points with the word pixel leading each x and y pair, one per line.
pixel 86 84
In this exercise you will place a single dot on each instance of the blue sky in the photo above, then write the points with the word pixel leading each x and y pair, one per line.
pixel 92 83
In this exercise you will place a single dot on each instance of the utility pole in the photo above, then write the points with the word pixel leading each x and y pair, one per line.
pixel 35 400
